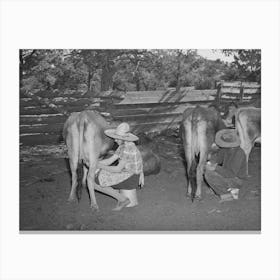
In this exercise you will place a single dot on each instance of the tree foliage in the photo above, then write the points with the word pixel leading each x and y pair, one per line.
pixel 246 65
pixel 134 69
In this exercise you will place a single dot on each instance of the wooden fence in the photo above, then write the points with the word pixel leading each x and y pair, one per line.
pixel 43 114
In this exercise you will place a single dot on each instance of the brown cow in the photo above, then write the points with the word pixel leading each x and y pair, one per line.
pixel 248 125
pixel 86 142
pixel 198 129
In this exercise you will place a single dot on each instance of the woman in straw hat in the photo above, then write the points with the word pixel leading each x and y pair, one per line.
pixel 225 173
pixel 128 173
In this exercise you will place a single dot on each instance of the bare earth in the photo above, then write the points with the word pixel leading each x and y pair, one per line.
pixel 163 205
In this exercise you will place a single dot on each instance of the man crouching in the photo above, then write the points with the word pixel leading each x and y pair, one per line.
pixel 226 171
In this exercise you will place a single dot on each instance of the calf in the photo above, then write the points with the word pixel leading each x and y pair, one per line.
pixel 248 125
pixel 198 130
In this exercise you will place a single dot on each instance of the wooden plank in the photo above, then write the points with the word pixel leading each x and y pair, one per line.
pixel 157 118
pixel 37 110
pixel 193 95
pixel 43 119
pixel 52 94
pixel 148 110
pixel 40 139
pixel 251 85
pixel 71 101
pixel 165 104
pixel 53 128
pixel 238 84
pixel 237 90
pixel 231 84
pixel 154 127
pixel 26 102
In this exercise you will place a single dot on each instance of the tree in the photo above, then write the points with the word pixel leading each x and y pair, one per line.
pixel 40 69
pixel 247 63
pixel 178 64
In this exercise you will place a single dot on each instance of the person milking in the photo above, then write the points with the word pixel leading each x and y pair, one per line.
pixel 226 171
pixel 121 180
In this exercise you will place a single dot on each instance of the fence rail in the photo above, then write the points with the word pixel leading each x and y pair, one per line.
pixel 42 115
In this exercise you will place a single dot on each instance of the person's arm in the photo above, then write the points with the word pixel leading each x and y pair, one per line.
pixel 215 160
pixel 107 161
pixel 115 169
pixel 220 156
pixel 216 157
pixel 234 166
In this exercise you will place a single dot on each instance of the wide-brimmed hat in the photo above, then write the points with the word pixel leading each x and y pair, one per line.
pixel 227 138
pixel 121 132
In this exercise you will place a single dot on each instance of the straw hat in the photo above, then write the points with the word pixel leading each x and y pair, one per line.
pixel 121 132
pixel 227 138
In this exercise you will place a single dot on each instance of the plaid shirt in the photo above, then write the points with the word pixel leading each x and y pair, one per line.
pixel 132 156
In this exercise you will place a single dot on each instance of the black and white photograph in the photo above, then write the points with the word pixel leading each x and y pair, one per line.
pixel 140 139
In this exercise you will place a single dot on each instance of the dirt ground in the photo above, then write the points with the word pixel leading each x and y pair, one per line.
pixel 163 205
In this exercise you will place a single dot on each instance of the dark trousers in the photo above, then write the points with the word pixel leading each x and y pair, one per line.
pixel 219 184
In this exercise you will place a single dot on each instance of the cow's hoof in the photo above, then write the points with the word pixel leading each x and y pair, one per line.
pixel 72 199
pixel 188 195
pixel 94 207
pixel 197 197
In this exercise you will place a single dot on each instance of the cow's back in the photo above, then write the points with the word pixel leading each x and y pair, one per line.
pixel 208 119
pixel 93 139
pixel 99 125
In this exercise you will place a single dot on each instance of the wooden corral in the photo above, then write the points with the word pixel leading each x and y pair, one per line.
pixel 43 114
pixel 238 91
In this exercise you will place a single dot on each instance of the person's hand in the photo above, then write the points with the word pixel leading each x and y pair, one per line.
pixel 210 166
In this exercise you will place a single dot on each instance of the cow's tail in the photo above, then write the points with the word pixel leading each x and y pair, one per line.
pixel 192 177
pixel 194 152
pixel 82 127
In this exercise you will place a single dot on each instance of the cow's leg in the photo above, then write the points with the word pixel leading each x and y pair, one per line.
pixel 187 141
pixel 91 186
pixel 73 167
pixel 189 185
pixel 245 143
pixel 247 150
pixel 199 179
pixel 73 154
pixel 203 148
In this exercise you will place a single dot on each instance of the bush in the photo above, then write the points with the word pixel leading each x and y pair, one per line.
pixel 204 83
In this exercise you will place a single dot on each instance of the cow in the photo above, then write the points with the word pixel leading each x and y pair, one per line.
pixel 248 126
pixel 247 121
pixel 198 130
pixel 86 143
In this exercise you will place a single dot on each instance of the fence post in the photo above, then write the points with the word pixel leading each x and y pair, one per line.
pixel 241 94
pixel 218 94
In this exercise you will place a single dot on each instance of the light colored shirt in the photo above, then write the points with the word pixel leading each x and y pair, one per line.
pixel 132 156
